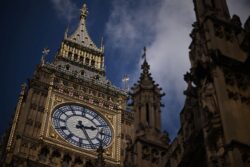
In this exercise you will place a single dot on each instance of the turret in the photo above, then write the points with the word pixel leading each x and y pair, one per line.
pixel 146 96
pixel 149 145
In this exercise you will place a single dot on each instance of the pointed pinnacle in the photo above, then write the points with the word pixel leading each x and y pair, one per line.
pixel 84 10
pixel 144 54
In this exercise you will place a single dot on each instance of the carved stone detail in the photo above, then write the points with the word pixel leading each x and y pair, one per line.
pixel 237 79
pixel 146 152
pixel 218 30
pixel 58 100
pixel 236 96
pixel 155 156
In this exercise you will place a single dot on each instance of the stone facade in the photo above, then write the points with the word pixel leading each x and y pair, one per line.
pixel 215 116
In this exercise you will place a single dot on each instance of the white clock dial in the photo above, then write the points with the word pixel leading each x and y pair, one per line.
pixel 81 126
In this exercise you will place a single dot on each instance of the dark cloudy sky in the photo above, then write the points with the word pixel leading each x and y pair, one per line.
pixel 27 26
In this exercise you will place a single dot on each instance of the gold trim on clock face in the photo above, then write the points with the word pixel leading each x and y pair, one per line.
pixel 81 126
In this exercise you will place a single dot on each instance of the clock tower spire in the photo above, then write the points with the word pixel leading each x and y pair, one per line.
pixel 79 50
pixel 67 108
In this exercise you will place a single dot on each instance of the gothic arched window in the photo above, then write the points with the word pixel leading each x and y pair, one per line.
pixel 81 59
pixel 92 63
pixel 75 57
pixel 70 55
pixel 87 61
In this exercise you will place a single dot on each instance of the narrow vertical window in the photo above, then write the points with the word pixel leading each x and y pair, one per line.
pixel 147 113
pixel 75 57
pixel 92 63
pixel 67 67
pixel 82 72
pixel 81 59
pixel 139 113
pixel 87 61
pixel 70 55
pixel 155 116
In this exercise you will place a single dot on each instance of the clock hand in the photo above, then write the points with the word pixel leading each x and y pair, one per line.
pixel 80 126
pixel 87 136
pixel 89 127
pixel 102 133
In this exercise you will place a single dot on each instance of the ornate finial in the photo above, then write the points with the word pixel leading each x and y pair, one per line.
pixel 125 80
pixel 84 10
pixel 66 32
pixel 45 52
pixel 23 88
pixel 102 44
pixel 144 53
pixel 145 65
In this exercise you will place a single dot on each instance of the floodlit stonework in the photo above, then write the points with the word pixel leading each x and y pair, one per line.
pixel 69 114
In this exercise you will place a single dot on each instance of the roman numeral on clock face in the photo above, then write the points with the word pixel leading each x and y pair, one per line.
pixel 63 127
pixel 73 111
pixel 59 119
pixel 94 117
pixel 80 142
pixel 83 113
pixel 101 126
pixel 69 136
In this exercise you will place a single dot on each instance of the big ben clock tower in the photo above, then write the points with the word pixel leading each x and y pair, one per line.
pixel 69 110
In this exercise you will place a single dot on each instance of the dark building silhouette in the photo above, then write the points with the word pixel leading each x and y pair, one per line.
pixel 215 116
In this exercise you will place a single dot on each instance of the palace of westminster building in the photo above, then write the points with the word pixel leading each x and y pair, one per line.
pixel 70 115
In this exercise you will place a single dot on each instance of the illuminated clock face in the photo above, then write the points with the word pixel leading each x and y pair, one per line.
pixel 81 126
